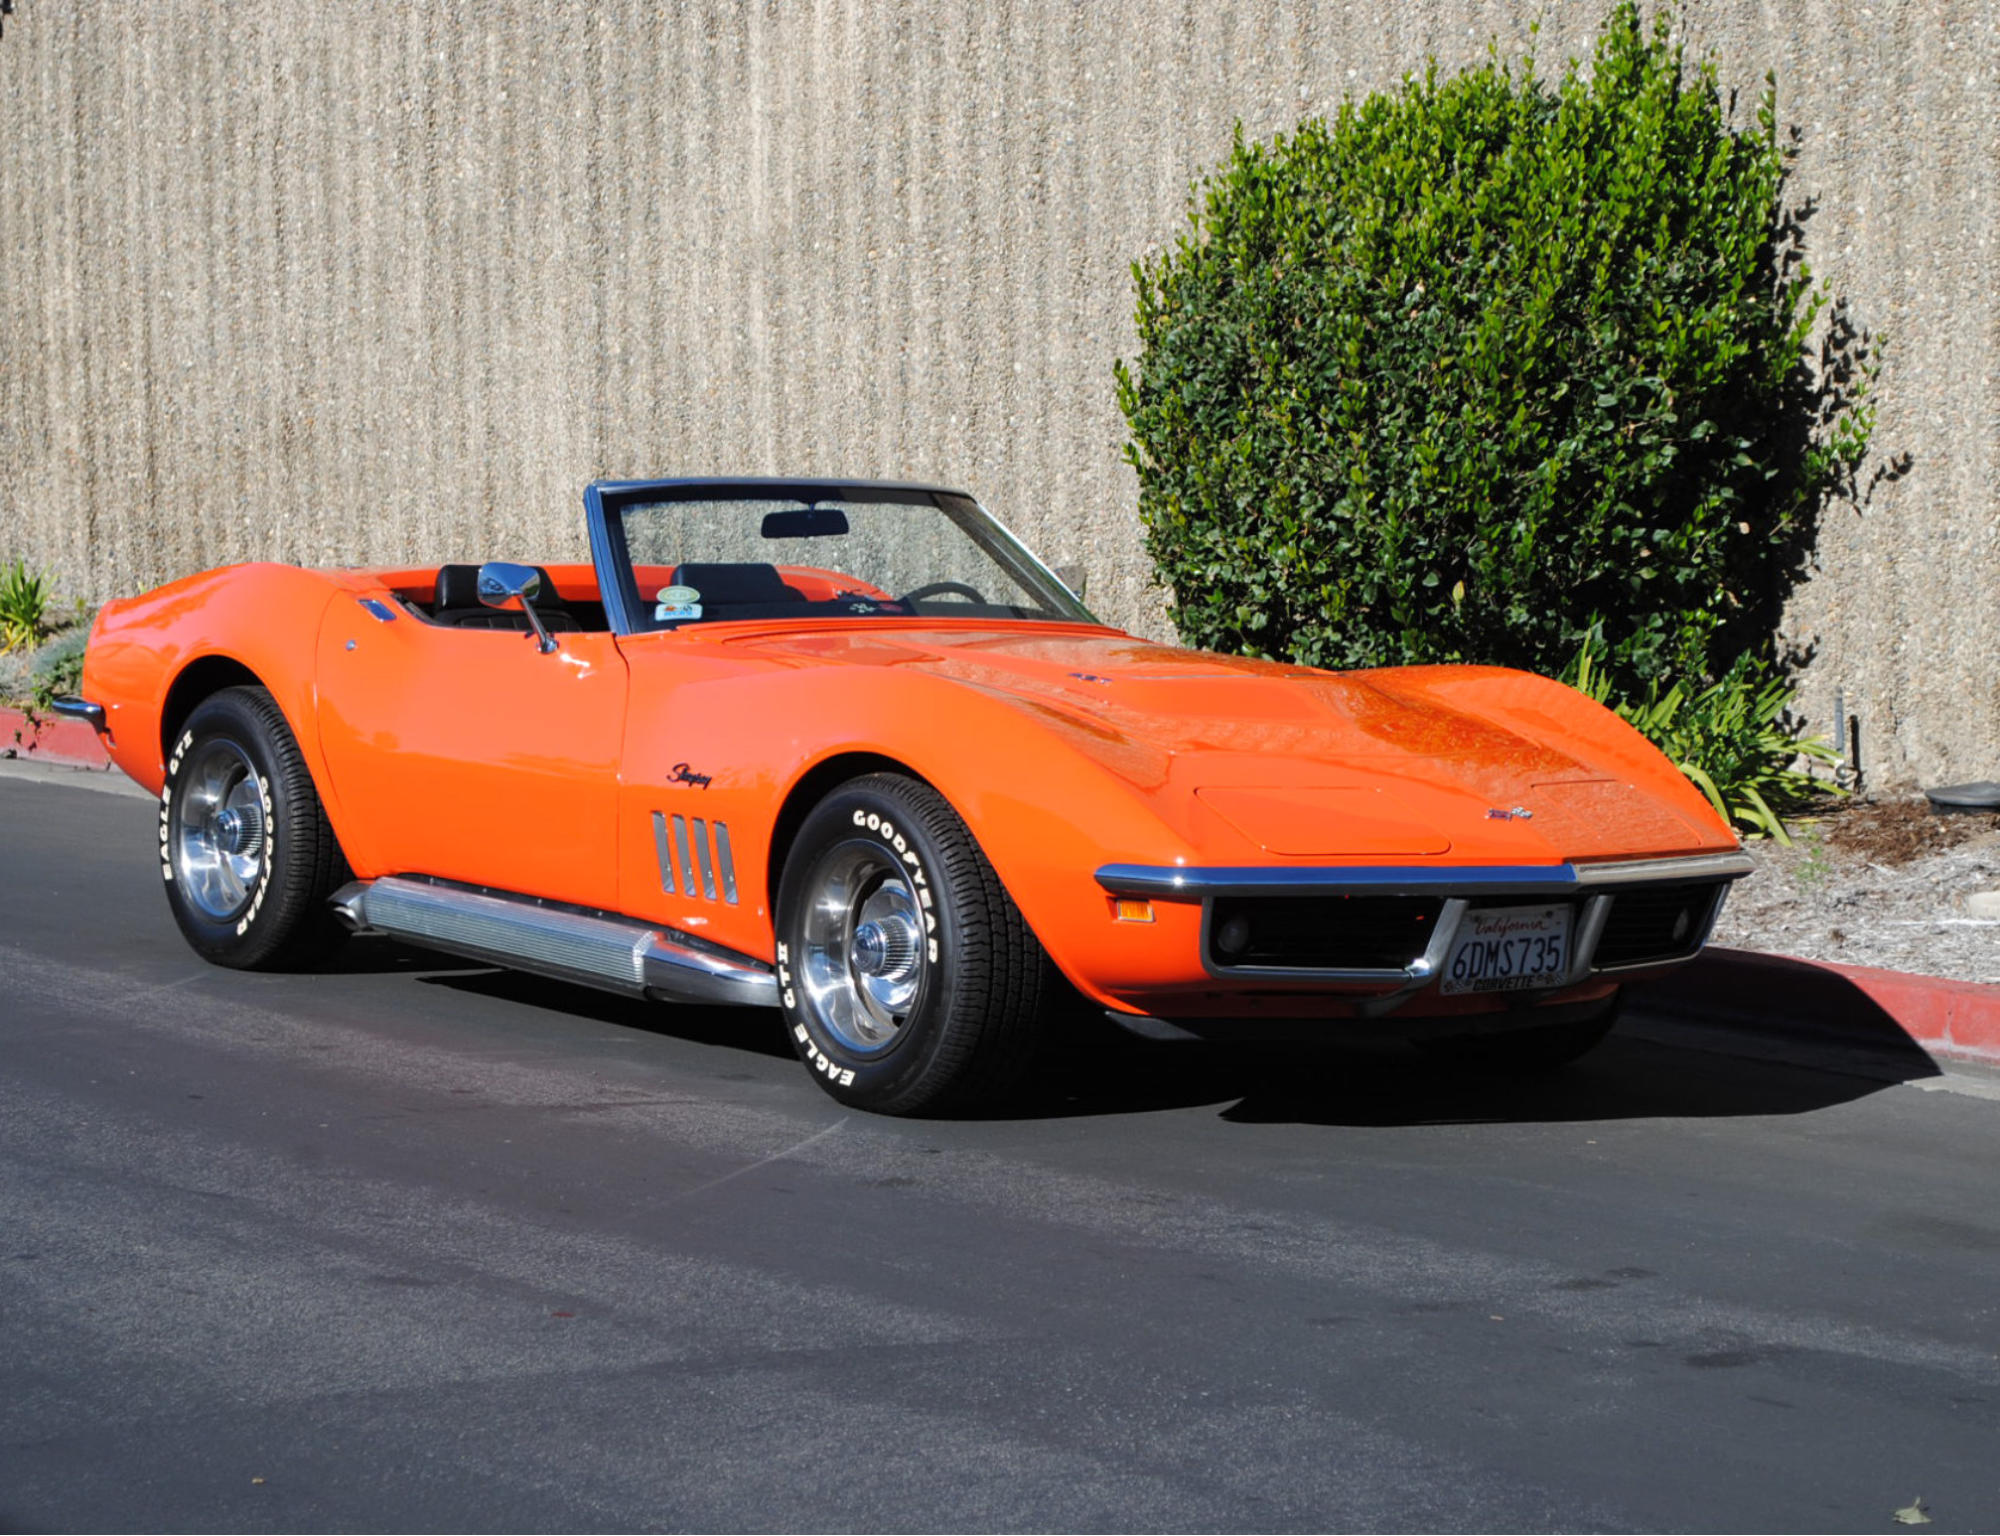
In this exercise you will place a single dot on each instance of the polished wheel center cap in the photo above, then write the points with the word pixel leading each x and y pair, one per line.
pixel 885 947
pixel 237 831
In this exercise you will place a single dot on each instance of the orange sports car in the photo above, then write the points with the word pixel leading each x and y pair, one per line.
pixel 849 750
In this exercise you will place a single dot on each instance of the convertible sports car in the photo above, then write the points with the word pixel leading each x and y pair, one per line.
pixel 847 749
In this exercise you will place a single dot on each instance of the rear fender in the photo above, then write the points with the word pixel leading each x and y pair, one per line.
pixel 152 658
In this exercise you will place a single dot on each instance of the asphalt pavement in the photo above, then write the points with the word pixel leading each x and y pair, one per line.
pixel 413 1244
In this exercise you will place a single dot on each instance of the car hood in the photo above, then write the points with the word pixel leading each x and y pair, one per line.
pixel 1301 763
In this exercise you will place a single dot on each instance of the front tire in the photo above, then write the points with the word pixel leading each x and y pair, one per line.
pixel 246 851
pixel 909 980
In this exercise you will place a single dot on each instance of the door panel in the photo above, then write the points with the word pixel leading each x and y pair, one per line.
pixel 470 754
pixel 699 792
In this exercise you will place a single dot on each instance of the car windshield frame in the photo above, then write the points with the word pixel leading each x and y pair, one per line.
pixel 609 502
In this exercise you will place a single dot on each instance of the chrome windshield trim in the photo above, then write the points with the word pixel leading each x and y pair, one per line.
pixel 606 502
pixel 1180 883
pixel 615 587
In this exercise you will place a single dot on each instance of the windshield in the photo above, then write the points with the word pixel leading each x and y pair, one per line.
pixel 709 553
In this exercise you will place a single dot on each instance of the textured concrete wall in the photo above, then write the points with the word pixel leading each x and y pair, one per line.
pixel 343 283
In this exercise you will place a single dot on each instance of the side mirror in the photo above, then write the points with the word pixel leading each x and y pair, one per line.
pixel 513 589
pixel 1075 577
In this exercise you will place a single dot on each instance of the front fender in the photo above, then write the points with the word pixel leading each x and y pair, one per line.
pixel 1046 811
pixel 1556 715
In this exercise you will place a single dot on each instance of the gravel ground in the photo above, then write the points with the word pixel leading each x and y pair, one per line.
pixel 1880 883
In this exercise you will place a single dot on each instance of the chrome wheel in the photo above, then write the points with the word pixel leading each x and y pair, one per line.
pixel 248 856
pixel 863 951
pixel 908 980
pixel 219 831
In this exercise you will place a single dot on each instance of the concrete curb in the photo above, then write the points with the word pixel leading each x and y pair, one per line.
pixel 68 743
pixel 1855 1009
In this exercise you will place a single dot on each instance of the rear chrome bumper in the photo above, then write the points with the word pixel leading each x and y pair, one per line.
pixel 71 707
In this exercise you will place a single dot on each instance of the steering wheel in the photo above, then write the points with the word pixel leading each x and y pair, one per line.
pixel 938 588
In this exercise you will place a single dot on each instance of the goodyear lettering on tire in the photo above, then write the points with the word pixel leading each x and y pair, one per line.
pixel 906 855
pixel 919 880
pixel 270 852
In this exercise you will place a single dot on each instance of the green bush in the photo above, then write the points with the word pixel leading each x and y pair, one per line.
pixel 24 608
pixel 57 668
pixel 1732 739
pixel 1487 361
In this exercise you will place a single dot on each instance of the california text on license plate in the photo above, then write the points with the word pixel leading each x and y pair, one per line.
pixel 1506 949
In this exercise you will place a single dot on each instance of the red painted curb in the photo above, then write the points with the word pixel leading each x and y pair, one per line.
pixel 69 743
pixel 1853 1005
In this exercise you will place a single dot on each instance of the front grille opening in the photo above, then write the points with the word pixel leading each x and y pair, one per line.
pixel 1666 923
pixel 1321 933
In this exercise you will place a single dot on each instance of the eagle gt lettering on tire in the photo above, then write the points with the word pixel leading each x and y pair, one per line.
pixel 908 979
pixel 246 851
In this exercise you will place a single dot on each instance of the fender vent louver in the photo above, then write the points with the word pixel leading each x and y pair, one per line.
pixel 701 857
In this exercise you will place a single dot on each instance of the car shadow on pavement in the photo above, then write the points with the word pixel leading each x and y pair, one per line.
pixel 756 1030
pixel 1388 1084
pixel 1092 1068
pixel 375 955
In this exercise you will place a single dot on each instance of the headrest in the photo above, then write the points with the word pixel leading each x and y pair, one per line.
pixel 739 583
pixel 458 587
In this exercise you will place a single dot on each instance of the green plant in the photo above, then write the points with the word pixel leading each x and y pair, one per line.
pixel 58 669
pixel 1733 738
pixel 1814 867
pixel 24 607
pixel 1487 360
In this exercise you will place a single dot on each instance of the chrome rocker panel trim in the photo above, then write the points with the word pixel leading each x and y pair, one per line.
pixel 599 949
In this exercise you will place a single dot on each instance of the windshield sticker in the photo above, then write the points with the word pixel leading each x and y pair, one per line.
pixel 677 603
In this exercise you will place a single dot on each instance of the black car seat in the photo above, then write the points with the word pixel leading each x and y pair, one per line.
pixel 457 605
pixel 743 590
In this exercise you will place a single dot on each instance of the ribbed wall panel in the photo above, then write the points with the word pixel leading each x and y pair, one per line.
pixel 326 283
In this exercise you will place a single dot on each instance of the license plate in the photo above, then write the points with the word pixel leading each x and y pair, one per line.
pixel 1508 949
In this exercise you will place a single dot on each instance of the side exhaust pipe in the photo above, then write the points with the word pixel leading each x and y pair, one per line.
pixel 522 933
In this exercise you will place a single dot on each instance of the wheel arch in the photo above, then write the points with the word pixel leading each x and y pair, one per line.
pixel 200 679
pixel 212 673
pixel 813 786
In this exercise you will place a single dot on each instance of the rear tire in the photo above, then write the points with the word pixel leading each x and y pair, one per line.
pixel 1538 1048
pixel 246 851
pixel 909 980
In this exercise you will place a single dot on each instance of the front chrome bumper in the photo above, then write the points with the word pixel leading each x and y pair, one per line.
pixel 1166 882
pixel 1457 887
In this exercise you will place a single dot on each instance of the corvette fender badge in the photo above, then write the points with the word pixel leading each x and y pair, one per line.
pixel 1518 813
pixel 682 774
